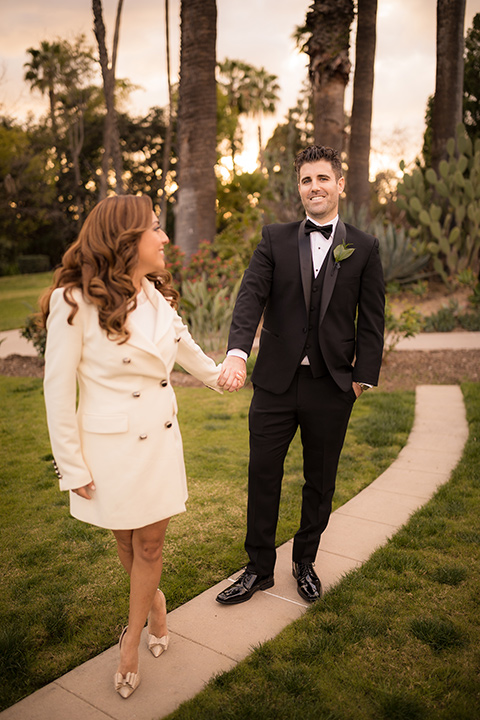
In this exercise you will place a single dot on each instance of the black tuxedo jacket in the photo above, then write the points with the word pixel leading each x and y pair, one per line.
pixel 277 283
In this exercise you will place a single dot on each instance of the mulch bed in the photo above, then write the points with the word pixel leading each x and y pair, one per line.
pixel 402 370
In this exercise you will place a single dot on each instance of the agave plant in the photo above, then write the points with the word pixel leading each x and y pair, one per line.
pixel 402 260
pixel 208 312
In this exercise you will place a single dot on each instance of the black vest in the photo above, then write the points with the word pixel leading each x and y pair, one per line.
pixel 312 347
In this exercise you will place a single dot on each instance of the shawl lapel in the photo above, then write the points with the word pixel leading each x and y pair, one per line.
pixel 331 275
pixel 305 254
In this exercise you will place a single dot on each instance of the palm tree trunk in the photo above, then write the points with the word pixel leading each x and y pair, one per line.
pixel 168 133
pixel 448 101
pixel 358 185
pixel 197 126
pixel 53 120
pixel 261 164
pixel 329 22
pixel 111 136
pixel 76 136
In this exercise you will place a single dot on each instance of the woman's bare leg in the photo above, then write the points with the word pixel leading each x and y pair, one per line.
pixel 140 553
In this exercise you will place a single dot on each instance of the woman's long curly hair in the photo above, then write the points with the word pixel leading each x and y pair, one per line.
pixel 101 263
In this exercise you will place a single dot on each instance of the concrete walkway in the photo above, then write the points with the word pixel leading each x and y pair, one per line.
pixel 207 638
pixel 12 343
pixel 441 341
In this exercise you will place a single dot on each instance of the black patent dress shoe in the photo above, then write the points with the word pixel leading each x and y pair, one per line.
pixel 308 583
pixel 242 589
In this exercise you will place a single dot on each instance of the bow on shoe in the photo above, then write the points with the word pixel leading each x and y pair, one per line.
pixel 126 684
pixel 157 645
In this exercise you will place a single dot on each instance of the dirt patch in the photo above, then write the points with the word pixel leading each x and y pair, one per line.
pixel 405 369
pixel 26 366
pixel 21 366
pixel 402 370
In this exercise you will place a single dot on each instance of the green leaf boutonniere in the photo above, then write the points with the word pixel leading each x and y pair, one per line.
pixel 342 252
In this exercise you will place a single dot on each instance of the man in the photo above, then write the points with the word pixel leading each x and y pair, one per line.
pixel 319 285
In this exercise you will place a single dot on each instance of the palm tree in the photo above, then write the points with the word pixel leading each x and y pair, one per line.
pixel 65 71
pixel 44 74
pixel 448 101
pixel 168 133
pixel 73 102
pixel 261 100
pixel 111 136
pixel 250 91
pixel 358 187
pixel 232 83
pixel 327 28
pixel 197 126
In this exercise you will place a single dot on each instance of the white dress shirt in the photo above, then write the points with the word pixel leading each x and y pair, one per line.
pixel 320 245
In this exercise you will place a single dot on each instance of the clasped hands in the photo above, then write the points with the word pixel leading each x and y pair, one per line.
pixel 233 374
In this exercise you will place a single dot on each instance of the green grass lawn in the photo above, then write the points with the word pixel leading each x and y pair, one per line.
pixel 397 639
pixel 19 297
pixel 64 597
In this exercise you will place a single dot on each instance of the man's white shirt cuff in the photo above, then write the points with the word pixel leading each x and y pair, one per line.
pixel 235 352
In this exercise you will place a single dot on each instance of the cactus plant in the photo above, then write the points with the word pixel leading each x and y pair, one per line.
pixel 444 210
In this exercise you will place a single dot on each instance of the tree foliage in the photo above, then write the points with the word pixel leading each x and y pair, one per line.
pixel 27 175
pixel 471 80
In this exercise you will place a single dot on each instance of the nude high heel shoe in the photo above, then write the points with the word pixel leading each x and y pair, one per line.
pixel 125 685
pixel 157 645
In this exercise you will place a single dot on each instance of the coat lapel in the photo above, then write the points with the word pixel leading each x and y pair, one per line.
pixel 331 272
pixel 162 323
pixel 163 308
pixel 305 254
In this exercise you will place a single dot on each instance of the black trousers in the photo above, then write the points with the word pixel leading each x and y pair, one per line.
pixel 322 411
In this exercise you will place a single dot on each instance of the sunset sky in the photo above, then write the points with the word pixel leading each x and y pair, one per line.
pixel 256 31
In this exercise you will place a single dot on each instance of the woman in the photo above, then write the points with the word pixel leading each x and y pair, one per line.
pixel 112 328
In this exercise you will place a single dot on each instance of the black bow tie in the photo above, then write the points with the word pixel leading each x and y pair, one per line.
pixel 310 226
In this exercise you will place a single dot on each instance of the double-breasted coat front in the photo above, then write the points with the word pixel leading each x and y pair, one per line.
pixel 124 433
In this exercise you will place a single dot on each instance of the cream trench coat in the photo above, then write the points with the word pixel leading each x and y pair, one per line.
pixel 124 434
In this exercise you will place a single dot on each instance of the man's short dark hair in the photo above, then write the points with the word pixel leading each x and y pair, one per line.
pixel 312 153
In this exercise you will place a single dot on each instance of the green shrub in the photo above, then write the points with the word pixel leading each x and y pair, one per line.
pixel 174 261
pixel 206 264
pixel 33 264
pixel 38 336
pixel 449 318
pixel 470 321
pixel 408 324
pixel 444 320
pixel 475 298
pixel 208 312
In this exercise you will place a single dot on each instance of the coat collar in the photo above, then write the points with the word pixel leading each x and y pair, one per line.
pixel 163 321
